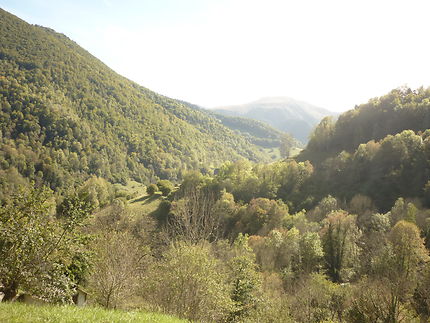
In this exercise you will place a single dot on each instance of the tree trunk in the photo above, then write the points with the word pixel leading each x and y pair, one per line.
pixel 10 291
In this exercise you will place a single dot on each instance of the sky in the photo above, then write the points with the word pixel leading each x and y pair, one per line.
pixel 333 53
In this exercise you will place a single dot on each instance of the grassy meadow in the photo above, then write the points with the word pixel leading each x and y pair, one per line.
pixel 23 313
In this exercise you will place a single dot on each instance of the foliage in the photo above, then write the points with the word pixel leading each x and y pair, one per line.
pixel 317 299
pixel 118 267
pixel 401 109
pixel 96 191
pixel 261 216
pixel 259 133
pixel 421 296
pixel 165 187
pixel 190 283
pixel 151 189
pixel 340 236
pixel 394 277
pixel 245 279
pixel 283 180
pixel 36 248
pixel 198 215
pixel 64 115
pixel 373 301
pixel 408 250
pixel 287 143
pixel 379 150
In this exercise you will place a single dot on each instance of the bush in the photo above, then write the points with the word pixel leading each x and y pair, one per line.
pixel 151 189
pixel 165 187
pixel 189 283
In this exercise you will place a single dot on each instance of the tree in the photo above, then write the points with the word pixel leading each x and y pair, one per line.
pixel 403 211
pixel 36 249
pixel 320 137
pixel 189 282
pixel 245 280
pixel 151 189
pixel 278 251
pixel 97 190
pixel 340 236
pixel 165 187
pixel 408 249
pixel 262 215
pixel 310 252
pixel 199 215
pixel 421 297
pixel 317 299
pixel 327 205
pixel 287 142
pixel 395 272
pixel 372 302
pixel 118 266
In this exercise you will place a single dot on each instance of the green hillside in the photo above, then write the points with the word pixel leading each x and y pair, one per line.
pixel 338 233
pixel 259 133
pixel 401 109
pixel 64 115
pixel 380 150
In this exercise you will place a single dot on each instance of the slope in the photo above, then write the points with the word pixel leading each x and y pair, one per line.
pixel 282 113
pixel 65 115
pixel 401 109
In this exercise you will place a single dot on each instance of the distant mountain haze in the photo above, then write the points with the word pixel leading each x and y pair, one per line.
pixel 283 113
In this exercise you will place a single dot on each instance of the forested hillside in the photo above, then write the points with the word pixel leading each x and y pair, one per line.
pixel 401 109
pixel 340 233
pixel 259 133
pixel 64 115
pixel 379 149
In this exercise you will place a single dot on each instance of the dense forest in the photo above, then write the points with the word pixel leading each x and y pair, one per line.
pixel 65 115
pixel 259 133
pixel 339 233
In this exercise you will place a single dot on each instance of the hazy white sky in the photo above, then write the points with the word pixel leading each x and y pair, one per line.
pixel 332 53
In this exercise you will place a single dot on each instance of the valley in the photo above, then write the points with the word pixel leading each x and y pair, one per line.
pixel 159 210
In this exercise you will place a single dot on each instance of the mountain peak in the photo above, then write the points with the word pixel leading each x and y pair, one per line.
pixel 281 112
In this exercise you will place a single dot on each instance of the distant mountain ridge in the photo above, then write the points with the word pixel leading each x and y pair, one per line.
pixel 259 133
pixel 283 113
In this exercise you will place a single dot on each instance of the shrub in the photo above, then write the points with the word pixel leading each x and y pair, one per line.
pixel 151 189
pixel 165 187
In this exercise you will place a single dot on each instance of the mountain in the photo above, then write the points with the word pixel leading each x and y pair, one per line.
pixel 380 150
pixel 259 133
pixel 285 114
pixel 401 109
pixel 65 116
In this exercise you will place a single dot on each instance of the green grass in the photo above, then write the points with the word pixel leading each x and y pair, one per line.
pixel 295 151
pixel 132 188
pixel 140 202
pixel 145 204
pixel 275 154
pixel 22 313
